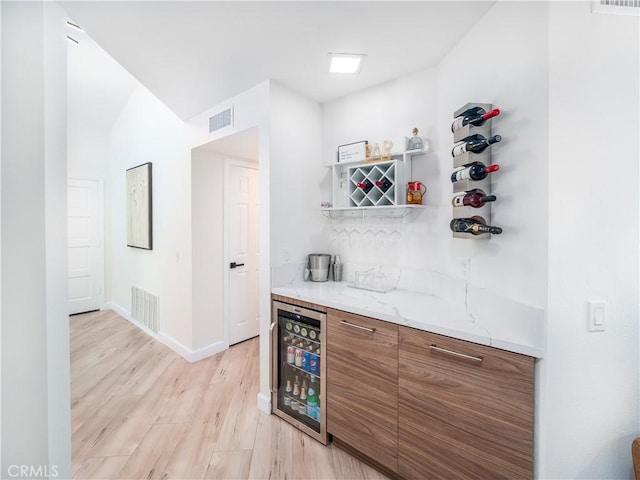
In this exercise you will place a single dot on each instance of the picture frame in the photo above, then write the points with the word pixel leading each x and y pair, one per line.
pixel 139 207
pixel 352 152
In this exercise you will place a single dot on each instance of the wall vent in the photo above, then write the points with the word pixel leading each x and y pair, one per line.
pixel 616 7
pixel 144 308
pixel 221 120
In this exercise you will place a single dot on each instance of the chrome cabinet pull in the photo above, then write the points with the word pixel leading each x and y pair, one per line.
pixel 456 354
pixel 273 372
pixel 348 324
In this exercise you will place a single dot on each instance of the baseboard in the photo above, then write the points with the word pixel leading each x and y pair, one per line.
pixel 264 403
pixel 191 356
pixel 185 352
pixel 208 351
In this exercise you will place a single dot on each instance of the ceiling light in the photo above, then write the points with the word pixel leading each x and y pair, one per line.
pixel 72 40
pixel 345 62
pixel 74 25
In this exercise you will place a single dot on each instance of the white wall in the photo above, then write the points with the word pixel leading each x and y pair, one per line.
pixel 207 187
pixel 503 61
pixel 147 131
pixel 88 144
pixel 251 111
pixel 591 380
pixel 483 67
pixel 295 178
pixel 35 348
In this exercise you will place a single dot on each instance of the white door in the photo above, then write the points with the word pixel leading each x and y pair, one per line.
pixel 244 259
pixel 85 271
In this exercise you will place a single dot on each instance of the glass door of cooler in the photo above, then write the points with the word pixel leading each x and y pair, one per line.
pixel 297 377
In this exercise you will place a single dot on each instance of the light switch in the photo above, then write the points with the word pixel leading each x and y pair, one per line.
pixel 596 315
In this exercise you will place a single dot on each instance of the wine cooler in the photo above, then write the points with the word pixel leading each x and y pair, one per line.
pixel 298 368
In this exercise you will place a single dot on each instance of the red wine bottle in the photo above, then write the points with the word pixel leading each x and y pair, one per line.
pixel 474 143
pixel 473 171
pixel 475 119
pixel 474 225
pixel 384 184
pixel 366 185
pixel 475 198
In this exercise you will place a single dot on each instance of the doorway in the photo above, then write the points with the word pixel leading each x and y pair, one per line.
pixel 214 282
pixel 241 234
pixel 85 245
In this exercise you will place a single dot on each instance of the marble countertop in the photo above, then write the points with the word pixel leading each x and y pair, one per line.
pixel 479 317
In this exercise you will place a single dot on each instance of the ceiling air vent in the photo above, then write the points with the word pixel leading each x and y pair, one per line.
pixel 616 7
pixel 221 120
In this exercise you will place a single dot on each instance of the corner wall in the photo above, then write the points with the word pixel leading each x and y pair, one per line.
pixel 591 380
pixel 36 428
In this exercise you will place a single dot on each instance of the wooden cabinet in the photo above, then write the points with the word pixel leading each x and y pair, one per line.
pixel 362 385
pixel 465 410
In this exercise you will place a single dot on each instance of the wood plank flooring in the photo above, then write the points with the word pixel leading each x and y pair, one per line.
pixel 140 411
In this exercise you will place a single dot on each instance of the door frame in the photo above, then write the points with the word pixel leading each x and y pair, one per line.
pixel 228 162
pixel 100 233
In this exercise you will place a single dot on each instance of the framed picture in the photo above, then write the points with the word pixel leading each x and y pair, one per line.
pixel 139 226
pixel 352 152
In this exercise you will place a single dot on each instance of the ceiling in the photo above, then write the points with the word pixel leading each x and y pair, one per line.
pixel 195 55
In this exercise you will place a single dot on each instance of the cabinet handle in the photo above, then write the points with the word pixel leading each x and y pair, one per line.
pixel 348 324
pixel 273 371
pixel 456 354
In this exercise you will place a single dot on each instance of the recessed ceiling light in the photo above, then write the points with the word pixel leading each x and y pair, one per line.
pixel 345 62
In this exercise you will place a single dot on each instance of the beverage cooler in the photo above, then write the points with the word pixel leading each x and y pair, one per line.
pixel 298 369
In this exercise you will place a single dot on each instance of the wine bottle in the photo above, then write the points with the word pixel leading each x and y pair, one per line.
pixel 366 186
pixel 475 198
pixel 475 119
pixel 473 171
pixel 384 184
pixel 475 225
pixel 474 143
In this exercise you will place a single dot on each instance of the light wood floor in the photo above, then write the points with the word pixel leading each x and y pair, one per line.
pixel 140 411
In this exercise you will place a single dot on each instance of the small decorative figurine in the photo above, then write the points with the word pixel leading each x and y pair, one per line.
pixel 415 142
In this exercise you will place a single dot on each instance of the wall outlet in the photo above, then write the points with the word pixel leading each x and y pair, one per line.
pixel 596 315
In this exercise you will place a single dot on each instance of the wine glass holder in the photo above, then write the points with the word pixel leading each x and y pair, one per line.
pixel 469 157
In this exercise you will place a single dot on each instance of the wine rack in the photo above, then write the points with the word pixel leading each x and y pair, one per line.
pixel 381 181
pixel 381 201
pixel 469 157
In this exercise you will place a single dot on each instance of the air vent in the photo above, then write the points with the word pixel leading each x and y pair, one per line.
pixel 221 120
pixel 616 7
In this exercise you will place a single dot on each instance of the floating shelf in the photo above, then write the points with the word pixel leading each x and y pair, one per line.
pixel 352 202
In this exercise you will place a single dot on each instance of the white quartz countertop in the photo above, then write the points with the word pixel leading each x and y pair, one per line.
pixel 478 318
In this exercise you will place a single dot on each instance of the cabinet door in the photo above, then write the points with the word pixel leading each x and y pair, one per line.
pixel 362 385
pixel 465 410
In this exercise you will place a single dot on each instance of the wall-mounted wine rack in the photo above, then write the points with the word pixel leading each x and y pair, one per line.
pixel 382 185
pixel 469 157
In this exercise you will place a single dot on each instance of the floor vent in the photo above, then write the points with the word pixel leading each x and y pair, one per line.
pixel 144 308
pixel 221 120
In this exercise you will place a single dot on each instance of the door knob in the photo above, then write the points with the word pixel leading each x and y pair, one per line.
pixel 235 265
